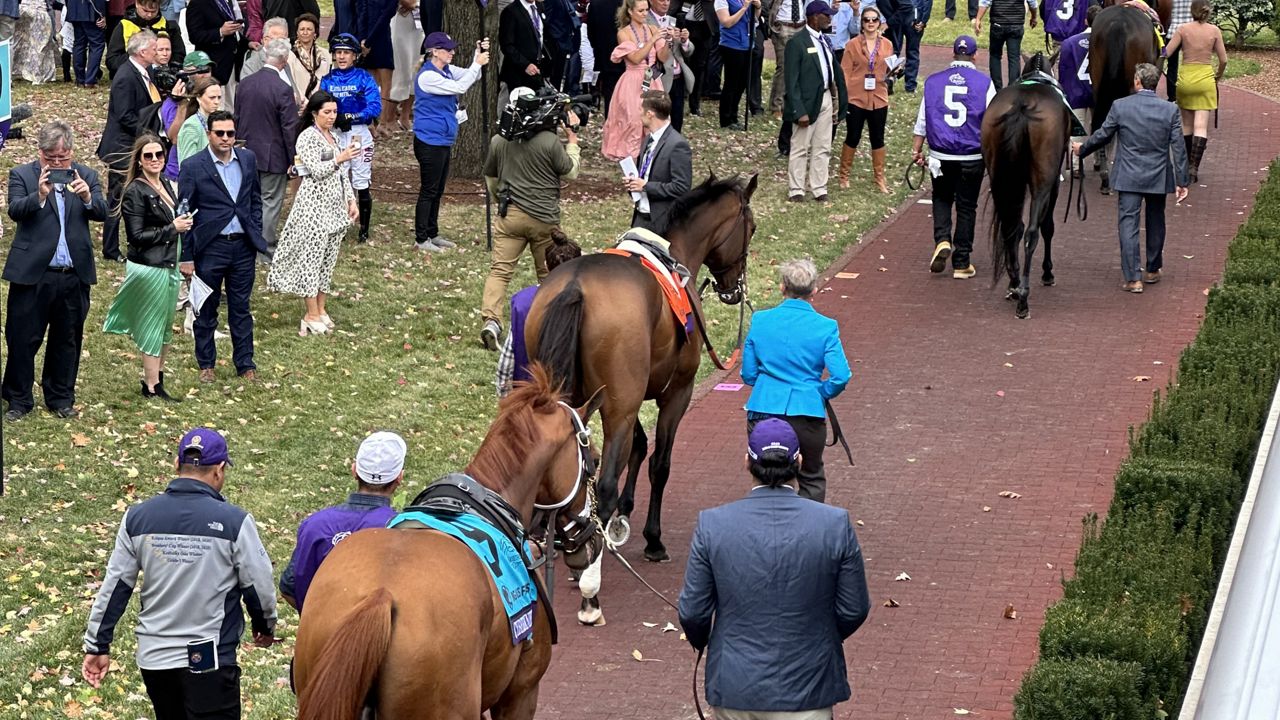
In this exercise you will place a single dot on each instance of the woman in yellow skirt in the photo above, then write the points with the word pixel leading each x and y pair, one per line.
pixel 1197 89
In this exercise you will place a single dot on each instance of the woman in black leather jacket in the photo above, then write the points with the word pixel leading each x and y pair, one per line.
pixel 143 309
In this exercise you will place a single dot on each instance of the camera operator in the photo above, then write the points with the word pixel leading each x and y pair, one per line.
pixel 524 174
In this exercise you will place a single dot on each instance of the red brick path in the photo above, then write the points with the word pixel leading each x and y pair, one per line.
pixel 952 402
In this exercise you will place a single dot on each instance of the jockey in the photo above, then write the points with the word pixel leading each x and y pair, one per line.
pixel 359 105
pixel 950 118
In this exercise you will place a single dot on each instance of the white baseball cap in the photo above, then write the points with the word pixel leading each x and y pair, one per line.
pixel 380 458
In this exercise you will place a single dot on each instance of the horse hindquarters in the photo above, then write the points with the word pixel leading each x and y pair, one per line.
pixel 337 687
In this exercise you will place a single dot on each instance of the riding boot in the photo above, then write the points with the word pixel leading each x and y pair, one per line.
pixel 877 167
pixel 1195 156
pixel 1186 141
pixel 364 200
pixel 846 162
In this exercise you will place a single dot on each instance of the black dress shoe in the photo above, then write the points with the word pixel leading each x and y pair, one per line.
pixel 66 413
pixel 15 414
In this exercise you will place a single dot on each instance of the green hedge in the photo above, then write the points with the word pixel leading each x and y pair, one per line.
pixel 1120 644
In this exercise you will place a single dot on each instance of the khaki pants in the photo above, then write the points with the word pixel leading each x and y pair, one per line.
pixel 511 235
pixel 778 88
pixel 811 153
pixel 727 714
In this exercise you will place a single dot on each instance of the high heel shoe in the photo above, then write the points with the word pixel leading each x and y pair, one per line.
pixel 328 321
pixel 307 327
pixel 159 391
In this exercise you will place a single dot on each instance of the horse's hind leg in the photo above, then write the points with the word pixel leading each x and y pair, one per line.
pixel 671 409
pixel 1047 228
pixel 639 446
pixel 1011 238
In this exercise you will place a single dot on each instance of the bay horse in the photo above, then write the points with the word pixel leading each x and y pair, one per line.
pixel 1026 131
pixel 602 321
pixel 1122 37
pixel 409 624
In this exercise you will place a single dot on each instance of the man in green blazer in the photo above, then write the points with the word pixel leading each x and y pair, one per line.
pixel 815 102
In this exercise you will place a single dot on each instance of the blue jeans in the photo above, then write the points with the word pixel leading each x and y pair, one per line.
pixel 911 37
pixel 86 52
pixel 1006 37
pixel 230 262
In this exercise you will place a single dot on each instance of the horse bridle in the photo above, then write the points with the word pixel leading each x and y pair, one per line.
pixel 740 287
pixel 581 527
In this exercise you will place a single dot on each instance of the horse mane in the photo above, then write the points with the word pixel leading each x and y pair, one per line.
pixel 514 434
pixel 1036 63
pixel 709 191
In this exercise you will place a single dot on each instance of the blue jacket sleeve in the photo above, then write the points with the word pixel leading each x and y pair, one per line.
pixel 372 100
pixel 924 9
pixel 853 602
pixel 750 364
pixel 838 372
pixel 698 597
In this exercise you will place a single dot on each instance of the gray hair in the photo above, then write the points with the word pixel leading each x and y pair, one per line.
pixel 1147 74
pixel 276 22
pixel 54 134
pixel 277 51
pixel 139 41
pixel 799 277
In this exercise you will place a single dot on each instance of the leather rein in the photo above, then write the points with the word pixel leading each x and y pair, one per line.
pixel 740 287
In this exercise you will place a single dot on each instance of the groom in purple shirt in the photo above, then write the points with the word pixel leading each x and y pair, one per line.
pixel 379 469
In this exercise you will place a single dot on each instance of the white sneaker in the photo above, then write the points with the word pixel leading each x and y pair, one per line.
pixel 428 247
pixel 443 243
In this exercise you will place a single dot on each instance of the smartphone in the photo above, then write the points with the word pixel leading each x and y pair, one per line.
pixel 62 177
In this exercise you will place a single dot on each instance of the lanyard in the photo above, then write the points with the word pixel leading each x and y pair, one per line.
pixel 871 54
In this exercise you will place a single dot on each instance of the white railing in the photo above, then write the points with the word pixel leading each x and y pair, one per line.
pixel 1237 671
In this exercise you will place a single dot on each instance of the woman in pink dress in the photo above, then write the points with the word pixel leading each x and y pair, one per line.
pixel 643 47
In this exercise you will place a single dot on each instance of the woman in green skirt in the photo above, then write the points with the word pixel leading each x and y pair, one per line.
pixel 143 309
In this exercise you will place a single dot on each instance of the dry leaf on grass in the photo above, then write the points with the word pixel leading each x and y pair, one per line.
pixel 79 440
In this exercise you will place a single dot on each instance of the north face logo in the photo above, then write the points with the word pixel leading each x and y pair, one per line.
pixel 215 526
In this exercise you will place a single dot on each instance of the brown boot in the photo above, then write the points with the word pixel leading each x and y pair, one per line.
pixel 846 162
pixel 877 166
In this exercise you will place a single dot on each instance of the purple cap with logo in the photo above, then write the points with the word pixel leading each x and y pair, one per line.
pixel 440 40
pixel 965 45
pixel 773 435
pixel 203 446
pixel 818 7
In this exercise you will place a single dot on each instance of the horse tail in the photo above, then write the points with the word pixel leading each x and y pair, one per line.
pixel 559 336
pixel 1010 172
pixel 349 661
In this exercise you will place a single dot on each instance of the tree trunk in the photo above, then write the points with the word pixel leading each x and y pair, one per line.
pixel 462 19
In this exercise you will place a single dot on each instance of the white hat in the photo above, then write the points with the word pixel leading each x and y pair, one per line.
pixel 380 458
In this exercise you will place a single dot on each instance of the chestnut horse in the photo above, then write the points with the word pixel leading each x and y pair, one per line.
pixel 409 624
pixel 601 321
pixel 1026 131
pixel 1122 37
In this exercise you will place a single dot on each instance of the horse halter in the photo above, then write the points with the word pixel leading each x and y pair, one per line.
pixel 738 292
pixel 580 528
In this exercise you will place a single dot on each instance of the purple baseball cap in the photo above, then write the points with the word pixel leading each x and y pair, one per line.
pixel 440 40
pixel 818 7
pixel 773 435
pixel 965 45
pixel 207 444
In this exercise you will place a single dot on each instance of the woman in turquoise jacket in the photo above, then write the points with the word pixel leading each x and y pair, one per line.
pixel 785 354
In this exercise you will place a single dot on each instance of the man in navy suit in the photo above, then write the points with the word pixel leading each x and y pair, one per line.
pixel 773 587
pixel 222 184
pixel 49 269
pixel 267 121
pixel 1147 129
pixel 522 37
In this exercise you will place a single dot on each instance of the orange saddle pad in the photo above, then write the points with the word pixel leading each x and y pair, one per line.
pixel 677 297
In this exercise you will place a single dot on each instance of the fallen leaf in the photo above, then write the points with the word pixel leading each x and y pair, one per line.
pixel 884 269
pixel 999 393
pixel 986 508
pixel 1009 494
pixel 960 711
pixel 669 628
pixel 902 576
pixel 1010 613
pixel 649 624
pixel 1141 378
pixel 1008 364
pixel 79 440
pixel 847 275
pixel 641 658
pixel 1188 256
pixel 859 523
pixel 891 603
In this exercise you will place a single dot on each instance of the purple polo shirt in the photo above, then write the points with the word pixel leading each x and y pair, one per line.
pixel 1073 71
pixel 521 302
pixel 1064 18
pixel 325 528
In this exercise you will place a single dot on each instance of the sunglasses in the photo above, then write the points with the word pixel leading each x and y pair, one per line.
pixel 153 156
pixel 866 20
pixel 224 133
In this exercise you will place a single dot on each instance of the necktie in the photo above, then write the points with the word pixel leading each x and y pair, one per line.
pixel 646 157
pixel 795 11
pixel 828 54
pixel 537 21
pixel 151 90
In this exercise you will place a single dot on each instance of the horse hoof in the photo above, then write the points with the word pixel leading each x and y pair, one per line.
pixel 1022 313
pixel 1048 281
pixel 618 531
pixel 590 612
pixel 658 556
pixel 1105 190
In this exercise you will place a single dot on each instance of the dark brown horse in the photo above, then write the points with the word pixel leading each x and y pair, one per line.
pixel 409 623
pixel 1025 134
pixel 601 321
pixel 1122 37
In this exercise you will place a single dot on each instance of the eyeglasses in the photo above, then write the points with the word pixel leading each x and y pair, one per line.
pixel 153 155
pixel 224 133
pixel 866 20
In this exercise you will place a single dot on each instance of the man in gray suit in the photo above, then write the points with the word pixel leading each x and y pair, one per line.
pixel 665 164
pixel 773 587
pixel 1147 129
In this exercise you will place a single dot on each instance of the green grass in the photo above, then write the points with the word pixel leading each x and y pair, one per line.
pixel 405 357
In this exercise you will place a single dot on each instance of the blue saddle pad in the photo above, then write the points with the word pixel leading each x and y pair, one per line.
pixel 519 594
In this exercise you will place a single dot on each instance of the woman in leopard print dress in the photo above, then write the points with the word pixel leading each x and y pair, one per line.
pixel 323 208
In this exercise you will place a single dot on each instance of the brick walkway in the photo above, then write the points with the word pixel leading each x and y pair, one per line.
pixel 952 402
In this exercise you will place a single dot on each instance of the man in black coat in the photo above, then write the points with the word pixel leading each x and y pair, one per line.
pixel 145 15
pixel 49 269
pixel 267 122
pixel 521 36
pixel 602 33
pixel 665 164
pixel 217 28
pixel 131 91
